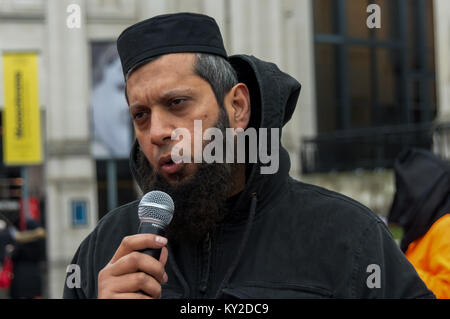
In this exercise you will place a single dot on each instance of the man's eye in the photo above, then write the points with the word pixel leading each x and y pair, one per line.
pixel 139 116
pixel 177 101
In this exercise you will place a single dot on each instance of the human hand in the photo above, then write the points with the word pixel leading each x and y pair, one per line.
pixel 131 274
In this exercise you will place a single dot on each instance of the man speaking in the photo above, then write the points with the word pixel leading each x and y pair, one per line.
pixel 235 232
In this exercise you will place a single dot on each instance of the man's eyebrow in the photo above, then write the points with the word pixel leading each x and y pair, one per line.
pixel 136 106
pixel 175 92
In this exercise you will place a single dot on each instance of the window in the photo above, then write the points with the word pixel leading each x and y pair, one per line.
pixel 79 212
pixel 375 87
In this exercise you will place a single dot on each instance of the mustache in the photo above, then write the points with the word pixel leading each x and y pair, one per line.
pixel 174 149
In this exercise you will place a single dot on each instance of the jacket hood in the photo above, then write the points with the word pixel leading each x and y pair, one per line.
pixel 422 193
pixel 273 98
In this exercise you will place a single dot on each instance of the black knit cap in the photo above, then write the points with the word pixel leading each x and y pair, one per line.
pixel 169 33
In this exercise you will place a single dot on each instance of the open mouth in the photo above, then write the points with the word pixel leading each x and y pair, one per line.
pixel 169 166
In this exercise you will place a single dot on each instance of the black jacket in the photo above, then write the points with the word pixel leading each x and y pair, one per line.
pixel 27 258
pixel 422 194
pixel 282 239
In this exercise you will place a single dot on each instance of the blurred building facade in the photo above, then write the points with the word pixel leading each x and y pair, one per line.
pixel 392 82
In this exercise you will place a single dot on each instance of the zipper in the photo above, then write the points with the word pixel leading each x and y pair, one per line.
pixel 206 265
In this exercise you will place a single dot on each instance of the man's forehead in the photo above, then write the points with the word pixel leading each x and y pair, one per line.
pixel 164 78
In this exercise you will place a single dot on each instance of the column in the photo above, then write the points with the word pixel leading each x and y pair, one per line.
pixel 70 169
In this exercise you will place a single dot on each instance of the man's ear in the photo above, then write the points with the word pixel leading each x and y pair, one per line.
pixel 237 104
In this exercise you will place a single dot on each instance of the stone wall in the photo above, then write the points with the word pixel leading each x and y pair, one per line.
pixel 374 189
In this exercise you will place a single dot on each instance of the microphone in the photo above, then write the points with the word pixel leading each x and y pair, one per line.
pixel 155 212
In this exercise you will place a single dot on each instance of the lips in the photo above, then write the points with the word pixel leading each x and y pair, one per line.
pixel 168 166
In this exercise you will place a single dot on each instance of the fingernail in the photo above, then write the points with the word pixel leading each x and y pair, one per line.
pixel 161 240
pixel 165 278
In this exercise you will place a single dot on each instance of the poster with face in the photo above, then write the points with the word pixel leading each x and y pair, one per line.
pixel 112 132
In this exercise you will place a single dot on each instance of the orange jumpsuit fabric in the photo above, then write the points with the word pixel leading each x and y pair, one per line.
pixel 430 255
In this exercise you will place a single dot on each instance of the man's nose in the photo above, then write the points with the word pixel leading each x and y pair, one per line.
pixel 160 128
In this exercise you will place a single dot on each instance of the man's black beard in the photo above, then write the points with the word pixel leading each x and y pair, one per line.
pixel 199 200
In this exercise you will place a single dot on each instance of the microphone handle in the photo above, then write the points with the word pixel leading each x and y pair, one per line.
pixel 151 228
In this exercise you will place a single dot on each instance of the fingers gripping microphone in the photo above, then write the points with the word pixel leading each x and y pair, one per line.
pixel 155 213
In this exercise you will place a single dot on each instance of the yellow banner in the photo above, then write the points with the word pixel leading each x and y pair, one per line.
pixel 21 117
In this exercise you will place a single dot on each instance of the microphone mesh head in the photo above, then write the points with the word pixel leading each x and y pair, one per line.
pixel 158 206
